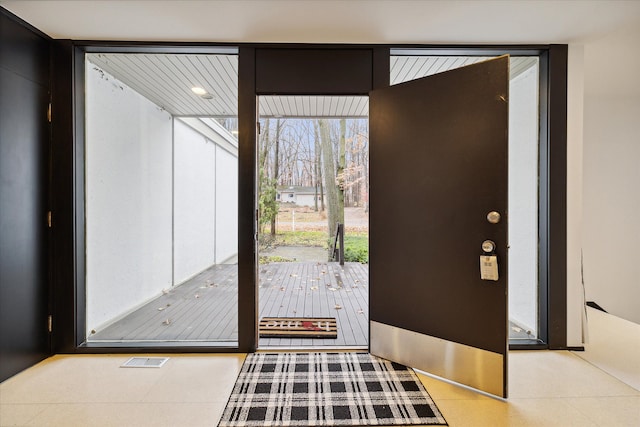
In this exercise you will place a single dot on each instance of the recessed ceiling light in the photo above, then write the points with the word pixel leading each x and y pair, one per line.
pixel 198 90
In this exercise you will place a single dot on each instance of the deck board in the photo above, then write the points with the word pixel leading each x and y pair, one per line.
pixel 314 290
pixel 285 290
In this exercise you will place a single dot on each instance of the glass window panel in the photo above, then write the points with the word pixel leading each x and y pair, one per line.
pixel 161 173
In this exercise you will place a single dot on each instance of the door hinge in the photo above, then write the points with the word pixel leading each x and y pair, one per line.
pixel 49 219
pixel 259 128
pixel 49 113
pixel 50 323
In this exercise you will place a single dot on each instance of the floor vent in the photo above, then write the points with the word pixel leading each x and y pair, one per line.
pixel 145 362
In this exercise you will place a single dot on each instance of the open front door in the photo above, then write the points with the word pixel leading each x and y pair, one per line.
pixel 438 158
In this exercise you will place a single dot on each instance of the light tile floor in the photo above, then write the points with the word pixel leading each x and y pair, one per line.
pixel 546 389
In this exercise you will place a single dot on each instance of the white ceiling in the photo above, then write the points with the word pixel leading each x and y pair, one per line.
pixel 330 21
pixel 167 79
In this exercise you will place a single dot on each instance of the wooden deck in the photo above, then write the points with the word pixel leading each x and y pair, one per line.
pixel 204 309
pixel 317 290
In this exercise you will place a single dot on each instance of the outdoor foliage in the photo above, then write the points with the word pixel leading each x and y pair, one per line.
pixel 270 259
pixel 328 155
pixel 356 248
pixel 301 238
pixel 268 207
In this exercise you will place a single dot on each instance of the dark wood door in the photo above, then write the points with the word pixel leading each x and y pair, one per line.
pixel 24 149
pixel 438 168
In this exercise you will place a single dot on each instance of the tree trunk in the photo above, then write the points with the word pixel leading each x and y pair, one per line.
pixel 276 173
pixel 264 146
pixel 329 174
pixel 316 167
pixel 263 159
pixel 319 179
pixel 340 178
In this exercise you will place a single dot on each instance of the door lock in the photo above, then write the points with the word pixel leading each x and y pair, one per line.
pixel 493 217
pixel 488 246
pixel 489 261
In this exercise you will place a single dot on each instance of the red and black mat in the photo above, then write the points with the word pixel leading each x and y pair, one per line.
pixel 298 327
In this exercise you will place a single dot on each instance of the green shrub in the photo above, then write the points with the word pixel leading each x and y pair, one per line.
pixel 356 248
pixel 356 245
pixel 302 238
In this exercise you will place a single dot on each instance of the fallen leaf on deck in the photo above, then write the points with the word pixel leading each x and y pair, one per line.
pixel 166 322
pixel 338 307
pixel 314 288
pixel 361 311
pixel 161 308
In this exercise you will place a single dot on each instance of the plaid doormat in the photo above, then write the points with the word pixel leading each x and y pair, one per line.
pixel 327 389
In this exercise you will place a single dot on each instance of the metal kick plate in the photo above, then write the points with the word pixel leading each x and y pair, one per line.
pixel 480 369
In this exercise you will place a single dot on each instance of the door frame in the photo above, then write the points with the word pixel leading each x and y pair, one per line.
pixel 25 285
pixel 68 176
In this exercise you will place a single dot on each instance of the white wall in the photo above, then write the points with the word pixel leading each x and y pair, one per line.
pixel 226 205
pixel 128 198
pixel 611 224
pixel 306 200
pixel 523 199
pixel 147 173
pixel 195 204
pixel 575 292
pixel 206 198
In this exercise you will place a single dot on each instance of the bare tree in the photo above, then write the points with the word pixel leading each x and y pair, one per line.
pixel 276 173
pixel 340 178
pixel 329 175
pixel 318 152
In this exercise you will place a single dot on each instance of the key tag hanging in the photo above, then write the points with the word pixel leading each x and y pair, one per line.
pixel 489 261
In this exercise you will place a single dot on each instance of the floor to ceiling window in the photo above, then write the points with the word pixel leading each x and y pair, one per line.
pixel 161 176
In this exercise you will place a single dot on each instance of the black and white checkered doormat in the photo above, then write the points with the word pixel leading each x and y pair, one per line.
pixel 327 389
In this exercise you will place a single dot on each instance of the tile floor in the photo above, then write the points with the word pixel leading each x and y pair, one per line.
pixel 597 387
pixel 547 389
